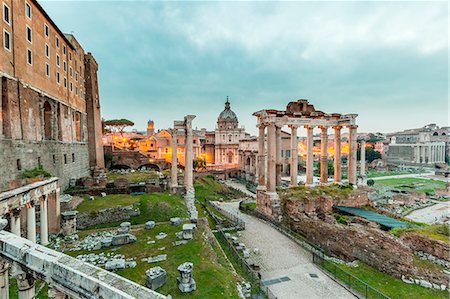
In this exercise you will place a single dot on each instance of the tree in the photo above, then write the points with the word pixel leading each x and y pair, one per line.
pixel 371 154
pixel 117 125
pixel 199 163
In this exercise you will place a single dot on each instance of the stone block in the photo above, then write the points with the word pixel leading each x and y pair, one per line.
pixel 155 277
pixel 115 264
pixel 175 221
pixel 150 224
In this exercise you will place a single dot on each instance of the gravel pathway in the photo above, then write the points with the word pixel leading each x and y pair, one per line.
pixel 281 257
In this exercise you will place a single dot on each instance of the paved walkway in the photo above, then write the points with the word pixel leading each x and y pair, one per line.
pixel 240 187
pixel 281 257
pixel 431 214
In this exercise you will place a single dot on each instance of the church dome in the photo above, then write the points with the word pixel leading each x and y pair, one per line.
pixel 227 114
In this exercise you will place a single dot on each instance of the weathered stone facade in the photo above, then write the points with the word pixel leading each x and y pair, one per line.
pixel 85 220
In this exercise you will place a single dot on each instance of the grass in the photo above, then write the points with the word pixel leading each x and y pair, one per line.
pixel 158 206
pixel 388 285
pixel 303 193
pixel 435 231
pixel 208 188
pixel 134 177
pixel 212 272
pixel 376 174
pixel 14 292
pixel 38 171
pixel 411 184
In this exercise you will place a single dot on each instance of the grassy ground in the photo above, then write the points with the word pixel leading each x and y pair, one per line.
pixel 158 207
pixel 375 173
pixel 392 287
pixel 134 177
pixel 40 287
pixel 212 272
pixel 434 231
pixel 209 188
pixel 302 192
pixel 411 184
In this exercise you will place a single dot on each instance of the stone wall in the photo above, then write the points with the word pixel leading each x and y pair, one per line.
pixel 54 156
pixel 434 247
pixel 115 214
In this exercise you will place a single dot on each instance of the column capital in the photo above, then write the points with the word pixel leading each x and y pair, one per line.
pixel 352 126
pixel 323 127
pixel 309 127
pixel 338 127
pixel 15 212
pixel 261 126
pixel 293 126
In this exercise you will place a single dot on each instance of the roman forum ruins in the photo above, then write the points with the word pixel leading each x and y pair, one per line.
pixel 299 114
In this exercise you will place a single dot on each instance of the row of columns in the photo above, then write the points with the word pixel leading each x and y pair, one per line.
pixel 274 162
pixel 31 220
pixel 430 153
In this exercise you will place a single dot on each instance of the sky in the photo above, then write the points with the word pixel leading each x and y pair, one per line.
pixel 385 61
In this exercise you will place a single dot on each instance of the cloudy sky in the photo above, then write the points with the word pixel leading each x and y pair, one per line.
pixel 386 61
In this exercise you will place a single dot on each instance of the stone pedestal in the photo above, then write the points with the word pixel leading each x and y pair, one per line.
pixel 69 222
pixel 43 220
pixel 25 284
pixel 155 277
pixel 185 282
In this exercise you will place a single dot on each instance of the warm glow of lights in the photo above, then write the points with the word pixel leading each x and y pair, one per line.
pixel 302 150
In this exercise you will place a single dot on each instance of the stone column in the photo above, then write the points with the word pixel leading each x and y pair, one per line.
pixel 309 156
pixel 279 162
pixel 352 154
pixel 15 222
pixel 294 156
pixel 188 167
pixel 337 155
pixel 261 158
pixel 31 222
pixel 417 152
pixel 174 166
pixel 54 293
pixel 422 154
pixel 323 155
pixel 54 217
pixel 44 220
pixel 362 169
pixel 25 283
pixel 272 157
pixel 4 279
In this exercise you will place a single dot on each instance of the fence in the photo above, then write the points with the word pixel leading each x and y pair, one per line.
pixel 320 258
pixel 237 222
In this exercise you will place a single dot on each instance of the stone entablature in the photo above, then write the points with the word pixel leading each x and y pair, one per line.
pixel 64 274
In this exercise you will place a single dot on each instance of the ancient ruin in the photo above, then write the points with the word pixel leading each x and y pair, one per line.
pixel 185 282
pixel 299 114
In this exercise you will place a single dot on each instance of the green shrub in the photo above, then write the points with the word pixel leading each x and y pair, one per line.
pixel 35 173
pixel 370 182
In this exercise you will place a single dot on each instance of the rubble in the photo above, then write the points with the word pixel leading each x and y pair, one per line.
pixel 175 221
pixel 155 259
pixel 150 224
pixel 161 236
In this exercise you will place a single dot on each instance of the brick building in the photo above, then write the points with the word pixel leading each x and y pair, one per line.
pixel 50 111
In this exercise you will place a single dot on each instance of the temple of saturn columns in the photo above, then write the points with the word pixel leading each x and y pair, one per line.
pixel 297 115
pixel 184 129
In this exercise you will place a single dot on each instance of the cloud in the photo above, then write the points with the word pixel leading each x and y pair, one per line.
pixel 162 60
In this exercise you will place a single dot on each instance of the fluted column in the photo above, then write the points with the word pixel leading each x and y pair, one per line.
pixel 337 154
pixel 309 156
pixel 422 154
pixel 31 222
pixel 279 162
pixel 174 166
pixel 272 157
pixel 15 222
pixel 352 154
pixel 4 279
pixel 362 167
pixel 294 156
pixel 261 158
pixel 323 154
pixel 188 153
pixel 44 220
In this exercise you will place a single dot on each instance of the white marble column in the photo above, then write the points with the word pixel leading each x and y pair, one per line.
pixel 261 158
pixel 279 161
pixel 323 155
pixel 44 220
pixel 4 279
pixel 174 161
pixel 352 154
pixel 337 155
pixel 25 283
pixel 294 156
pixel 272 157
pixel 309 156
pixel 362 166
pixel 31 222
pixel 417 151
pixel 188 167
pixel 422 154
pixel 15 222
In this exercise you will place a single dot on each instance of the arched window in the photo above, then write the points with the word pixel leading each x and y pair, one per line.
pixel 230 137
pixel 47 121
pixel 435 134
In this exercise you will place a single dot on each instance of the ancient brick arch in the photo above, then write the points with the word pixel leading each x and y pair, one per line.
pixel 136 160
